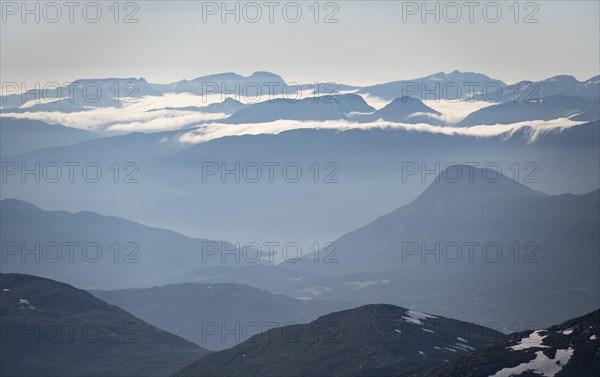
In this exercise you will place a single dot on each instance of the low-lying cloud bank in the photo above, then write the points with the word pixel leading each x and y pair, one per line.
pixel 119 121
pixel 145 115
pixel 149 114
pixel 218 130
pixel 452 112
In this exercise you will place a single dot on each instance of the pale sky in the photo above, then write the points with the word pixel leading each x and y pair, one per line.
pixel 370 43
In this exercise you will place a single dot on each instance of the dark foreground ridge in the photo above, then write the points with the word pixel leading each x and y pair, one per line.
pixel 569 349
pixel 373 340
pixel 53 329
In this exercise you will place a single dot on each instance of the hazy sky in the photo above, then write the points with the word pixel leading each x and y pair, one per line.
pixel 371 42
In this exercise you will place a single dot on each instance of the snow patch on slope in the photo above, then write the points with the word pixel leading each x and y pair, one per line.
pixel 417 317
pixel 534 340
pixel 542 365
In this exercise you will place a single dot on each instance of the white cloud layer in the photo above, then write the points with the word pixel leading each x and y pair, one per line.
pixel 131 116
pixel 120 120
pixel 148 115
pixel 217 130
pixel 453 112
pixel 145 115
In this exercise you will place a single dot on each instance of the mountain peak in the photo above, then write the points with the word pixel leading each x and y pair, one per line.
pixel 562 78
pixel 8 204
pixel 487 184
pixel 263 74
pixel 406 109
pixel 415 104
pixel 231 100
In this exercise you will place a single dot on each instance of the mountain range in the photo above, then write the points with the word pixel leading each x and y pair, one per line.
pixel 258 87
pixel 51 328
pixel 83 248
pixel 217 316
pixel 391 220
pixel 564 85
pixel 486 229
pixel 171 172
pixel 470 227
pixel 259 84
pixel 455 85
pixel 407 257
pixel 80 95
pixel 330 107
pixel 547 108
pixel 23 135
